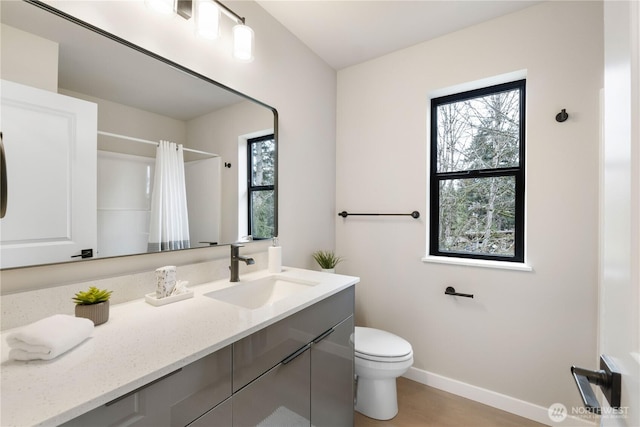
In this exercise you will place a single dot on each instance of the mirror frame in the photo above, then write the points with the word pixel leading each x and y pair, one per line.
pixel 72 19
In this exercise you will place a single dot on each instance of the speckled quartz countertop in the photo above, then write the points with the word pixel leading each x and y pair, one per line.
pixel 139 344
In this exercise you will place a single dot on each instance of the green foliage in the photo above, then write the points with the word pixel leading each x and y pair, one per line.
pixel 262 223
pixel 326 259
pixel 261 182
pixel 92 296
pixel 477 214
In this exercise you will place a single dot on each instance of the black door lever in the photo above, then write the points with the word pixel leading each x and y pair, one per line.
pixel 607 377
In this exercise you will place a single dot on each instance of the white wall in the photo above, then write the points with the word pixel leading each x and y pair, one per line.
pixel 38 69
pixel 285 75
pixel 218 132
pixel 523 330
pixel 124 188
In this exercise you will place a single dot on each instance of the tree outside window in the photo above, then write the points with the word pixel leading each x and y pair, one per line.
pixel 261 186
pixel 477 173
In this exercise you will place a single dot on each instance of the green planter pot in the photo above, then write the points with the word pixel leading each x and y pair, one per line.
pixel 98 313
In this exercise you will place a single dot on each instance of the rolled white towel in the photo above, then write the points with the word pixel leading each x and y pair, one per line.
pixel 49 337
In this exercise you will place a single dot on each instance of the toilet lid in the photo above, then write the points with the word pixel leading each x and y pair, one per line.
pixel 377 343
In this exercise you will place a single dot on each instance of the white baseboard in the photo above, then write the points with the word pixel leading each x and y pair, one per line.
pixel 491 398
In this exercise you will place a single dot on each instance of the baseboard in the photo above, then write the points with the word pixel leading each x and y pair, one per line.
pixel 491 398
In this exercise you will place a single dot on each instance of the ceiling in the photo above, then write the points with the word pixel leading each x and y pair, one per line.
pixel 348 32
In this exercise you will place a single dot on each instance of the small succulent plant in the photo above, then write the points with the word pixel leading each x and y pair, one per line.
pixel 92 296
pixel 326 259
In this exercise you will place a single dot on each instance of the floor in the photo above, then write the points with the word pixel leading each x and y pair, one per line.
pixel 424 406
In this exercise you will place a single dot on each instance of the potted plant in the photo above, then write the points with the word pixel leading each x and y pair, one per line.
pixel 327 260
pixel 93 304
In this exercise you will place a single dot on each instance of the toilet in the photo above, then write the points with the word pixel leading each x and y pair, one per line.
pixel 380 358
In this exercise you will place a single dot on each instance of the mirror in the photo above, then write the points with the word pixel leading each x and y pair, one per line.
pixel 139 99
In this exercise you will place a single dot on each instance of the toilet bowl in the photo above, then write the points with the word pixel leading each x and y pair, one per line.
pixel 380 358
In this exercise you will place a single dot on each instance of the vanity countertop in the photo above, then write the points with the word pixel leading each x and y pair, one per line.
pixel 141 343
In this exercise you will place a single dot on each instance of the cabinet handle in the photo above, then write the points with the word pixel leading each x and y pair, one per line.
pixel 296 353
pixel 124 396
pixel 323 335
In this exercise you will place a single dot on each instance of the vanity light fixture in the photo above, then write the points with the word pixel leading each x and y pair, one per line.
pixel 206 15
pixel 161 6
pixel 243 43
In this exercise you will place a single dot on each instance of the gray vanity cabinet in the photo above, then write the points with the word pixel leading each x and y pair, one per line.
pixel 176 399
pixel 297 371
pixel 292 372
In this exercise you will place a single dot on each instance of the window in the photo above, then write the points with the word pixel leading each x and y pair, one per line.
pixel 261 159
pixel 477 174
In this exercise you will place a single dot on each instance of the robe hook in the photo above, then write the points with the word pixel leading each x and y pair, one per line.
pixel 562 116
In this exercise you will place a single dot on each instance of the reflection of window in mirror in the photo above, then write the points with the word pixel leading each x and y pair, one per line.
pixel 260 180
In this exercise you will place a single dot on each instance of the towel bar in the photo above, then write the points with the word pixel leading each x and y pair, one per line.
pixel 414 214
pixel 451 291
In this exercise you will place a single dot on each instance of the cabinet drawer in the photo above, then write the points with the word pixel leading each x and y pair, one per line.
pixel 264 349
pixel 280 397
pixel 174 400
pixel 201 386
pixel 220 416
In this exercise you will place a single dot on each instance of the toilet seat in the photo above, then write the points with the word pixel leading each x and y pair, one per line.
pixel 384 359
pixel 380 346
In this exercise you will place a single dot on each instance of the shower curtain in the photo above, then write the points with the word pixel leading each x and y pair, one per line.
pixel 169 223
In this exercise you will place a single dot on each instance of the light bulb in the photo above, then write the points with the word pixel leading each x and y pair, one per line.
pixel 243 38
pixel 207 19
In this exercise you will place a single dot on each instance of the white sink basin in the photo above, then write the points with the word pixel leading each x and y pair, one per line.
pixel 261 292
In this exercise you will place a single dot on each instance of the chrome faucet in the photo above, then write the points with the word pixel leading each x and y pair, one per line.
pixel 235 258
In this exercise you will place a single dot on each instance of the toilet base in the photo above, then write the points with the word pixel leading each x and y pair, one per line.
pixel 377 398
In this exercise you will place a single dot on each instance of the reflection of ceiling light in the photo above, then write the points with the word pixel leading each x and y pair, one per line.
pixel 207 22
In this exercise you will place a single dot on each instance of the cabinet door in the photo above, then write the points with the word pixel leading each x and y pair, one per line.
pixel 201 386
pixel 262 350
pixel 50 146
pixel 332 374
pixel 278 398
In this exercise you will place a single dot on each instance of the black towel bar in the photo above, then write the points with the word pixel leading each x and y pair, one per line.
pixel 451 291
pixel 414 214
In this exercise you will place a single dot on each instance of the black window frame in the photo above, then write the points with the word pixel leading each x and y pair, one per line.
pixel 258 188
pixel 518 173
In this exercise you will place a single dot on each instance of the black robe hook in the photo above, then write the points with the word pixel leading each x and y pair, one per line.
pixel 562 116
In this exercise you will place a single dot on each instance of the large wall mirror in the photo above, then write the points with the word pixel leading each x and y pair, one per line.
pixel 83 113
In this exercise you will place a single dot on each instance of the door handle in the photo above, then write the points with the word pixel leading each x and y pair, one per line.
pixel 607 377
pixel 84 253
pixel 3 179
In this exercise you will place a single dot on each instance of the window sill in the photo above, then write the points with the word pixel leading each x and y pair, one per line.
pixel 500 265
